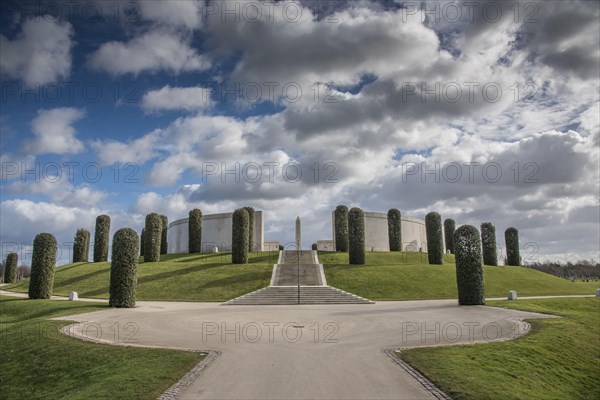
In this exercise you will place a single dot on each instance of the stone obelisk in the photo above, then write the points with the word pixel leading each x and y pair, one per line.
pixel 298 235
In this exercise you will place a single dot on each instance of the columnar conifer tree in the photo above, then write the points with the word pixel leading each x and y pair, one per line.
pixel 195 231
pixel 469 269
pixel 123 268
pixel 43 263
pixel 356 236
pixel 153 238
pixel 81 245
pixel 395 229
pixel 10 268
pixel 250 211
pixel 163 237
pixel 239 236
pixel 341 228
pixel 101 238
pixel 488 243
pixel 449 228
pixel 513 257
pixel 433 230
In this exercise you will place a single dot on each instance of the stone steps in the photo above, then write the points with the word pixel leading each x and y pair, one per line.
pixel 297 257
pixel 289 295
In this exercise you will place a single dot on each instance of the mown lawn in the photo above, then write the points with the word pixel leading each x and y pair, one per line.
pixel 408 276
pixel 38 362
pixel 185 277
pixel 558 359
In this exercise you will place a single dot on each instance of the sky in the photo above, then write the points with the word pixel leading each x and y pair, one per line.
pixel 481 111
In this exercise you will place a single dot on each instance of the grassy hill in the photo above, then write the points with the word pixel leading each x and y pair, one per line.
pixel 38 362
pixel 408 276
pixel 186 277
pixel 386 276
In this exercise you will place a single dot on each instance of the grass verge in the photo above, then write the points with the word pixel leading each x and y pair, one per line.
pixel 558 359
pixel 408 276
pixel 183 277
pixel 38 362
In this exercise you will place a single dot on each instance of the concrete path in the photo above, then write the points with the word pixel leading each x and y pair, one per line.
pixel 301 352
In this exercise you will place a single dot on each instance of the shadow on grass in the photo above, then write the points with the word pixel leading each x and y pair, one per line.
pixel 235 279
pixel 176 272
pixel 66 268
pixel 79 278
pixel 222 257
pixel 46 314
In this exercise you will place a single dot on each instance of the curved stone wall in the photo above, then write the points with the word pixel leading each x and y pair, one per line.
pixel 216 232
pixel 376 233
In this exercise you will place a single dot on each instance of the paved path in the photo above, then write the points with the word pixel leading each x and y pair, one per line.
pixel 300 352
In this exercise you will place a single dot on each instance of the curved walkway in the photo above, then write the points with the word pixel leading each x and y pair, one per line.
pixel 300 352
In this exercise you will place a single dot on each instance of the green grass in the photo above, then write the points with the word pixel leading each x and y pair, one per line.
pixel 386 276
pixel 186 277
pixel 38 362
pixel 558 359
pixel 408 276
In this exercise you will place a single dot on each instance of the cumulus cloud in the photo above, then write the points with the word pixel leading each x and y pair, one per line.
pixel 178 13
pixel 542 132
pixel 136 151
pixel 22 219
pixel 59 191
pixel 150 52
pixel 54 132
pixel 363 40
pixel 40 53
pixel 177 98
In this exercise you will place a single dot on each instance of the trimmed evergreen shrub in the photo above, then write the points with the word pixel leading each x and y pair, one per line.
pixel 43 262
pixel 142 241
pixel 280 247
pixel 488 244
pixel 163 236
pixel 469 268
pixel 153 238
pixel 511 236
pixel 341 228
pixel 101 238
pixel 239 236
pixel 356 236
pixel 10 268
pixel 395 229
pixel 250 211
pixel 123 268
pixel 435 245
pixel 195 231
pixel 449 228
pixel 81 245
pixel 313 246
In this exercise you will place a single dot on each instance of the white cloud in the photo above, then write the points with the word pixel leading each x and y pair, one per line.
pixel 23 219
pixel 177 98
pixel 54 132
pixel 152 51
pixel 134 151
pixel 61 192
pixel 177 13
pixel 41 52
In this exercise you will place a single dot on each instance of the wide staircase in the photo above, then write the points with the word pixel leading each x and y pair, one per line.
pixel 298 279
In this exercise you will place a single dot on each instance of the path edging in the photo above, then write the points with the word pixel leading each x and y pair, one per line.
pixel 429 386
pixel 193 374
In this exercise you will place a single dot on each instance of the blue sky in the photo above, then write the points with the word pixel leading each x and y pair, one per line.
pixel 375 94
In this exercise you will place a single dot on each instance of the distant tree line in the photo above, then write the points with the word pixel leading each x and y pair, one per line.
pixel 579 270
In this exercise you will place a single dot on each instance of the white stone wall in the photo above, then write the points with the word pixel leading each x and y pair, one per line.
pixel 376 233
pixel 216 232
pixel 270 245
pixel 325 245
